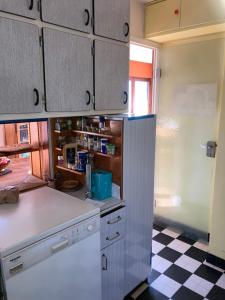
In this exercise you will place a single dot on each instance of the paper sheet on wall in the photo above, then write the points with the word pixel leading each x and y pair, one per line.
pixel 196 99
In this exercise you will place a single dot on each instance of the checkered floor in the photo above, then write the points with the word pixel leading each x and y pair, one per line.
pixel 179 269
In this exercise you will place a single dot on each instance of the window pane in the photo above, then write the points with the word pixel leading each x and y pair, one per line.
pixel 130 97
pixel 141 97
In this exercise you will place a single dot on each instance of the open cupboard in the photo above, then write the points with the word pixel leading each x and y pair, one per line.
pixel 82 137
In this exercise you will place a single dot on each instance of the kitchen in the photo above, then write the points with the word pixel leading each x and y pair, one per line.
pixel 76 219
pixel 74 167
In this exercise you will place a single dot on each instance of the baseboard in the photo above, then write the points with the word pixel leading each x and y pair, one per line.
pixel 216 261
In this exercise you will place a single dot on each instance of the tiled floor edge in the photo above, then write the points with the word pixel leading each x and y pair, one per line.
pixel 216 261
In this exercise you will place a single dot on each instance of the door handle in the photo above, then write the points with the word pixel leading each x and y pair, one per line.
pixel 115 236
pixel 125 97
pixel 36 93
pixel 87 17
pixel 88 98
pixel 116 220
pixel 60 246
pixel 104 263
pixel 31 6
pixel 126 29
pixel 16 269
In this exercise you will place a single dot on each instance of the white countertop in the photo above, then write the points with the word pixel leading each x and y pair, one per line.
pixel 38 214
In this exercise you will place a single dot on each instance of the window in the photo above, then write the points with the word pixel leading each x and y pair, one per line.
pixel 140 83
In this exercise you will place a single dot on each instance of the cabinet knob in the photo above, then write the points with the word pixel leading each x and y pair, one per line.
pixel 36 95
pixel 86 17
pixel 31 5
pixel 126 29
pixel 125 97
pixel 88 98
pixel 176 12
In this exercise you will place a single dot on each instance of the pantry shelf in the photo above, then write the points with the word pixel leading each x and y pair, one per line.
pixel 70 170
pixel 94 134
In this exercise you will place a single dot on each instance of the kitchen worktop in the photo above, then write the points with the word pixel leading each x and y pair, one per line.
pixel 38 214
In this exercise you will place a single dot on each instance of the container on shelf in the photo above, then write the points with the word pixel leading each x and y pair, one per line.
pixel 81 161
pixel 104 142
pixel 111 149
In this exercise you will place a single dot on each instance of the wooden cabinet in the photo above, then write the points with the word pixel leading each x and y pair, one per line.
pixel 111 19
pixel 111 76
pixel 201 12
pixel 26 8
pixel 68 13
pixel 113 271
pixel 163 16
pixel 68 71
pixel 20 68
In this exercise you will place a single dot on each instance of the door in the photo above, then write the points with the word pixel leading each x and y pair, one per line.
pixel 26 8
pixel 113 271
pixel 201 12
pixel 162 16
pixel 111 76
pixel 187 120
pixel 68 71
pixel 75 14
pixel 20 68
pixel 112 19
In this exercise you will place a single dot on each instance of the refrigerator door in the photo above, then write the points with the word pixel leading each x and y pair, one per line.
pixel 138 178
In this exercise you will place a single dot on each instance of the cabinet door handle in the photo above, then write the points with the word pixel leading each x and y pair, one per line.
pixel 116 220
pixel 31 6
pixel 115 236
pixel 125 97
pixel 104 263
pixel 126 29
pixel 87 17
pixel 88 98
pixel 36 93
pixel 176 12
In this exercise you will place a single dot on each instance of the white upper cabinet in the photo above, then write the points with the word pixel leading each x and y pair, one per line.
pixel 26 8
pixel 74 14
pixel 111 19
pixel 68 71
pixel 162 16
pixel 202 12
pixel 21 86
pixel 111 76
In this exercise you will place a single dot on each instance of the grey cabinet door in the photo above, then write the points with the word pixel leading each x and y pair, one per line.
pixel 26 8
pixel 113 271
pixel 68 71
pixel 111 19
pixel 75 14
pixel 111 76
pixel 20 68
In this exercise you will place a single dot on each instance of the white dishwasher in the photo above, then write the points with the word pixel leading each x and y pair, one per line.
pixel 63 266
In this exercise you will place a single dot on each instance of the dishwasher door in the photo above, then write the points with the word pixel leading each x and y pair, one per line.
pixel 71 271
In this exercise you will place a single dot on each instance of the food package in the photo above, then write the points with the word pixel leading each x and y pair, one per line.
pixel 9 194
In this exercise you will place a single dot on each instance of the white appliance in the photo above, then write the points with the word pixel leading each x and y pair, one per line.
pixel 59 267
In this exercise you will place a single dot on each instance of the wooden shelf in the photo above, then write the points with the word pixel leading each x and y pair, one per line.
pixel 21 151
pixel 63 133
pixel 94 134
pixel 70 170
pixel 58 149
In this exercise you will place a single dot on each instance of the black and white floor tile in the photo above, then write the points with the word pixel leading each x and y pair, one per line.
pixel 180 270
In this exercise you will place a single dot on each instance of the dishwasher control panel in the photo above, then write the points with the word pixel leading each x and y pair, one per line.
pixel 49 246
